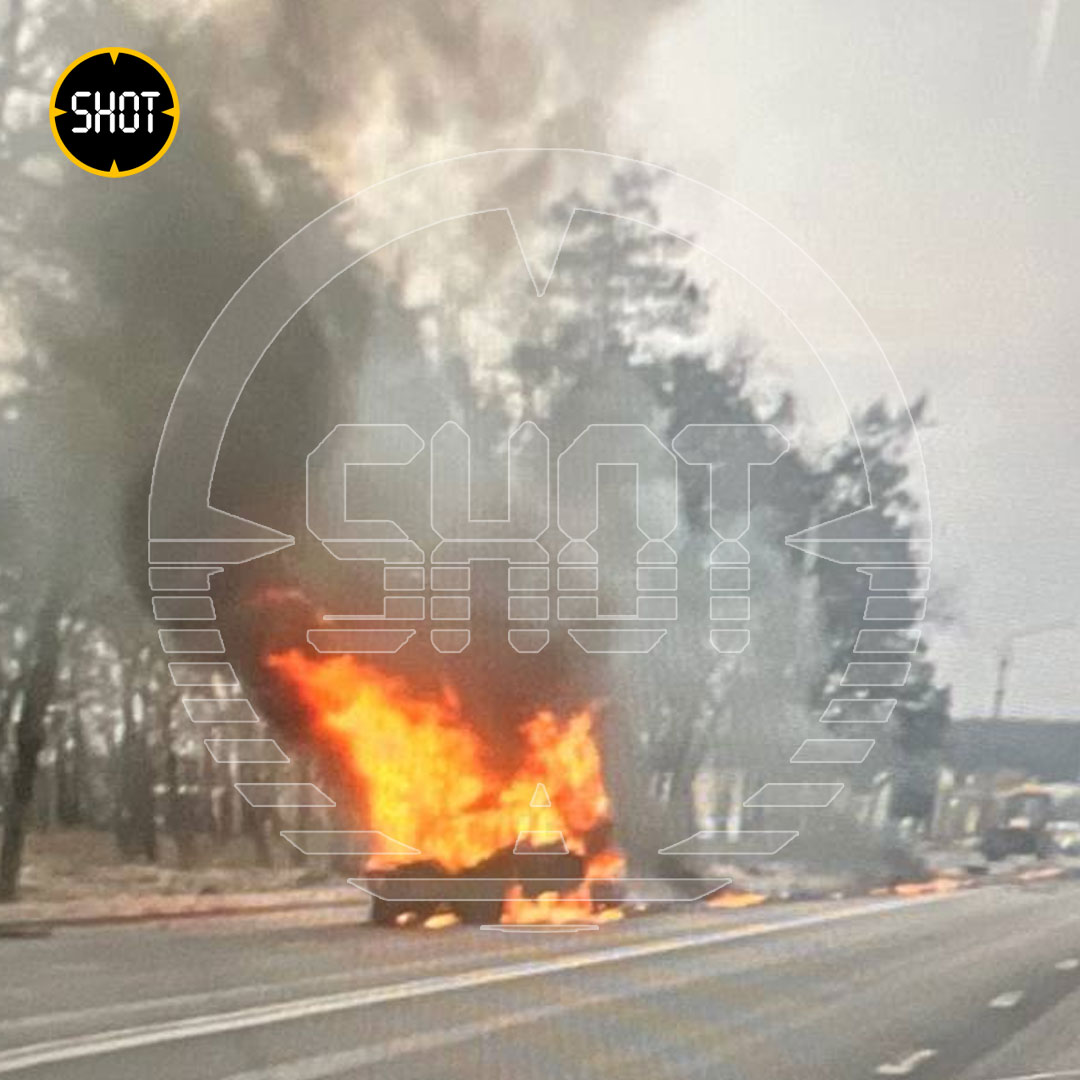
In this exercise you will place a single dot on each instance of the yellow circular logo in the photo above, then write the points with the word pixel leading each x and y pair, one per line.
pixel 114 112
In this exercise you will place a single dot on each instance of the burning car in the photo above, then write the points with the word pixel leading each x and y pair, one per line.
pixel 514 841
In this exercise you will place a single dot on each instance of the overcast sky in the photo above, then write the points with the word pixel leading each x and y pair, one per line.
pixel 927 156
pixel 924 153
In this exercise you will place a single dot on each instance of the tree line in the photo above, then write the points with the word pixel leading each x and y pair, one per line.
pixel 107 294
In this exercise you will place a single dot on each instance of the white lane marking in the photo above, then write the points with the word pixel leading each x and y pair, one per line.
pixel 345 1062
pixel 907 1066
pixel 1067 965
pixel 1009 1000
pixel 215 1000
pixel 1046 1076
pixel 107 1042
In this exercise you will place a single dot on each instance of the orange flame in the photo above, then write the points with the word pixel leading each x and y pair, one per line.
pixel 428 781
pixel 734 899
pixel 548 907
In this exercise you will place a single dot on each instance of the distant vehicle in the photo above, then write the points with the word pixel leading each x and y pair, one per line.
pixel 1065 836
pixel 1019 825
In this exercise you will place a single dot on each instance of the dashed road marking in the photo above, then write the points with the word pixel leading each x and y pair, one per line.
pixel 1068 965
pixel 1009 1000
pixel 907 1066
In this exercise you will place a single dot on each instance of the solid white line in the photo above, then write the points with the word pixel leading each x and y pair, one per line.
pixel 1067 965
pixel 908 1065
pixel 345 1062
pixel 1009 1000
pixel 1046 1075
pixel 107 1042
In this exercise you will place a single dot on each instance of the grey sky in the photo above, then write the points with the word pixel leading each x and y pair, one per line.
pixel 924 153
pixel 913 151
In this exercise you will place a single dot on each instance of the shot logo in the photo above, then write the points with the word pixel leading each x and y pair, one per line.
pixel 615 588
pixel 114 112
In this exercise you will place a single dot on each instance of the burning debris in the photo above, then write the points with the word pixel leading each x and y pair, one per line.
pixel 735 899
pixel 525 841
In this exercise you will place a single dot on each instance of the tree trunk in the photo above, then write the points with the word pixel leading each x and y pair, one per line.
pixel 144 804
pixel 71 771
pixel 137 824
pixel 178 803
pixel 122 824
pixel 8 702
pixel 209 816
pixel 302 817
pixel 29 739
pixel 254 825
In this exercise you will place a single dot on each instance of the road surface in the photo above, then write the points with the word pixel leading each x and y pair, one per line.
pixel 981 985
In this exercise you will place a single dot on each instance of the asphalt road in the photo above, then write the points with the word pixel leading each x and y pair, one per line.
pixel 982 985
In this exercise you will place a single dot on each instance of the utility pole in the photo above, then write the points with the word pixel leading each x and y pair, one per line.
pixel 1005 656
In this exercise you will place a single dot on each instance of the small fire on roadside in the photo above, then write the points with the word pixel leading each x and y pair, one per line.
pixel 734 899
pixel 427 780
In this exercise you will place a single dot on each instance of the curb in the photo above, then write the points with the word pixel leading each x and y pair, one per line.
pixel 32 927
pixel 40 927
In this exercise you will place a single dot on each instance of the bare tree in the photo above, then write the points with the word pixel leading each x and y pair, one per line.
pixel 40 682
